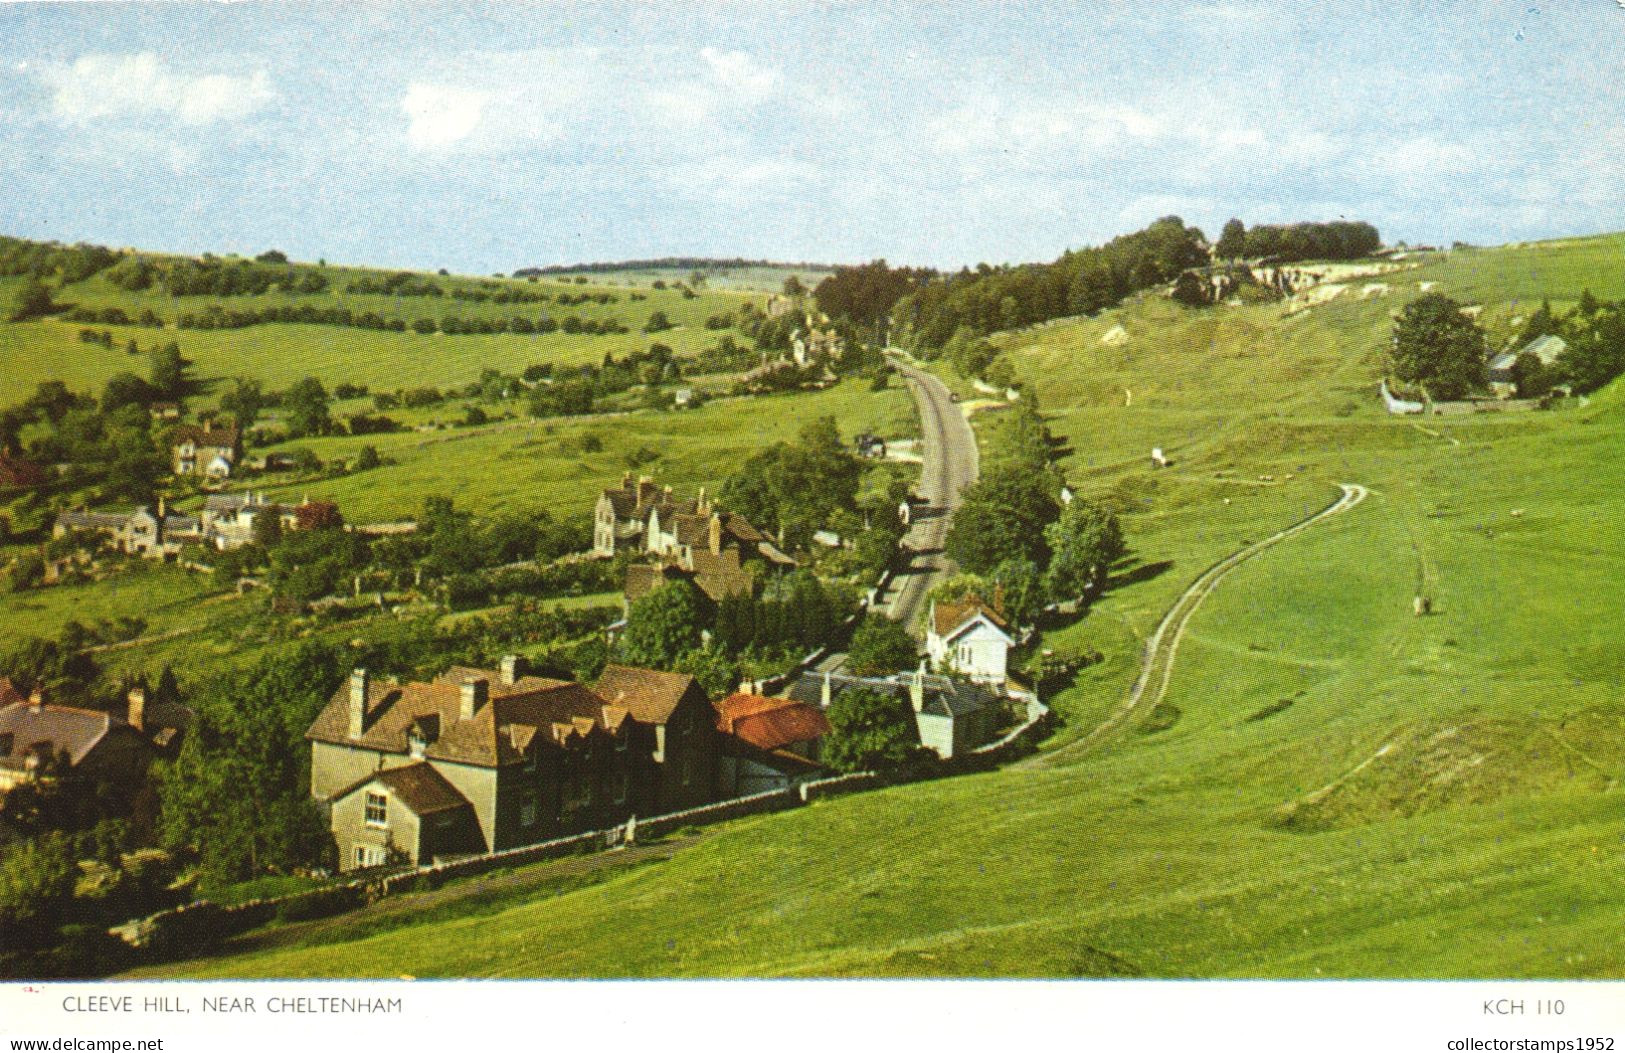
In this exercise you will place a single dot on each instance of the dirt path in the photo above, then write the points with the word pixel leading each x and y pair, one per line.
pixel 1157 666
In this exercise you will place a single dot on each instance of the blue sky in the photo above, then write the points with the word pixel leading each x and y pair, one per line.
pixel 493 137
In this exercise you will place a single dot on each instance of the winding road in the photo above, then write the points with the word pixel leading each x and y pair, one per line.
pixel 949 465
pixel 1157 665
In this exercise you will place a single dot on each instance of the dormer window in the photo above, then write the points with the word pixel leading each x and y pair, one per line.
pixel 417 745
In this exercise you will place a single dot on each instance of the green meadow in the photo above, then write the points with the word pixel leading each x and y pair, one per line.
pixel 1332 787
pixel 560 464
pixel 279 354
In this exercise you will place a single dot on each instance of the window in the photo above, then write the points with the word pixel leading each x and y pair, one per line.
pixel 688 770
pixel 377 809
pixel 530 762
pixel 418 745
pixel 369 856
pixel 620 787
pixel 622 740
pixel 527 811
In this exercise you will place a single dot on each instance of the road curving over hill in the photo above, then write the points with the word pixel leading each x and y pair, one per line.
pixel 949 465
pixel 1157 661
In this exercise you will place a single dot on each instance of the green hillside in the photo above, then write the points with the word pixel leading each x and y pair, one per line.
pixel 279 354
pixel 1336 787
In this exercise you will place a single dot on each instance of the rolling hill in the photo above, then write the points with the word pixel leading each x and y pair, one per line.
pixel 1332 786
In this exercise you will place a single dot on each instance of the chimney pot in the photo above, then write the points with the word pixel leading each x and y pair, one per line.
pixel 358 703
pixel 473 694
pixel 512 669
pixel 137 717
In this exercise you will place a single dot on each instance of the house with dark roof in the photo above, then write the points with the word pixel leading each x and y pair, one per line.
pixel 951 715
pixel 205 450
pixel 970 638
pixel 677 748
pixel 483 760
pixel 767 743
pixel 718 550
pixel 45 741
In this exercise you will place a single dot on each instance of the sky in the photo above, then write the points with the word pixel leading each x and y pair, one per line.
pixel 484 138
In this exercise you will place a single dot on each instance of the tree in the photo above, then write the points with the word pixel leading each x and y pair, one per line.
pixel 1021 586
pixel 239 791
pixel 168 370
pixel 1530 376
pixel 1596 348
pixel 367 458
pixel 715 670
pixel 272 256
pixel 32 300
pixel 880 647
pixel 1084 543
pixel 794 287
pixel 658 322
pixel 37 880
pixel 306 404
pixel 267 529
pixel 1437 347
pixel 126 389
pixel 663 625
pixel 1001 518
pixel 870 731
pixel 244 402
pixel 1232 241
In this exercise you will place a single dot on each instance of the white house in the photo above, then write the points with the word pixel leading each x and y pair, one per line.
pixel 969 638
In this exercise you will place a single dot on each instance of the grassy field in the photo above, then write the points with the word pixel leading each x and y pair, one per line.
pixel 528 464
pixel 1338 788
pixel 277 355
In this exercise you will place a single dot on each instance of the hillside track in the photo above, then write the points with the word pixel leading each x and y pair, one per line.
pixel 1157 663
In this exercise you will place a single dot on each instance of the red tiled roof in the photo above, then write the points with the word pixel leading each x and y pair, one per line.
pixel 784 725
pixel 648 694
pixel 9 694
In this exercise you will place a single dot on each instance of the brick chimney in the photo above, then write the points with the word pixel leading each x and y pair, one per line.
pixel 137 717
pixel 916 688
pixel 513 667
pixel 358 703
pixel 702 505
pixel 473 694
pixel 713 535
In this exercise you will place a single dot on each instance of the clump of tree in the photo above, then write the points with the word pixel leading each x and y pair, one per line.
pixel 1437 348
pixel 1339 240
pixel 988 299
pixel 238 796
pixel 871 730
pixel 1595 334
pixel 880 646
pixel 793 489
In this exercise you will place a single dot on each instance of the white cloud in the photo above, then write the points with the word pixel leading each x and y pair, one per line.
pixel 105 86
pixel 738 72
pixel 441 115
